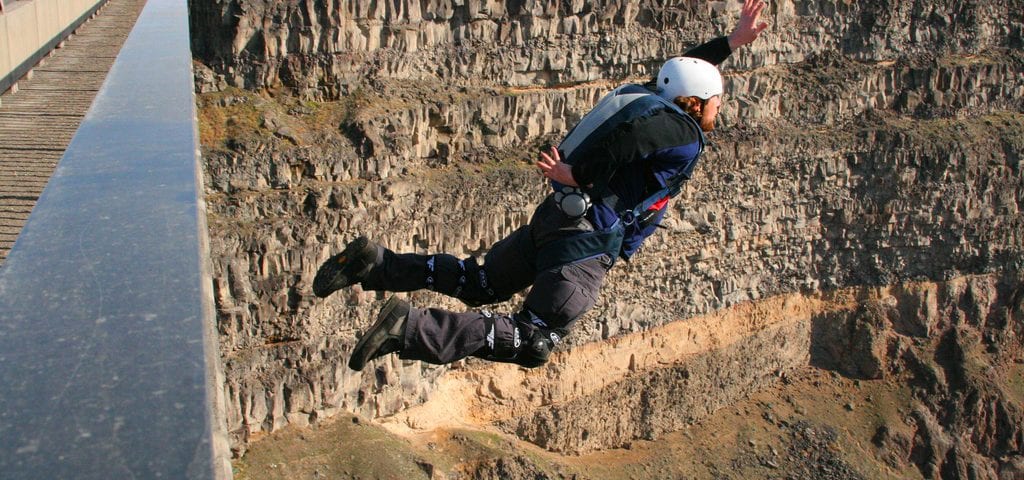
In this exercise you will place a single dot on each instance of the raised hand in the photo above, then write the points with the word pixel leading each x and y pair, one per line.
pixel 750 26
pixel 551 164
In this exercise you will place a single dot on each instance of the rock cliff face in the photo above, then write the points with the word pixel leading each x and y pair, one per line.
pixel 864 146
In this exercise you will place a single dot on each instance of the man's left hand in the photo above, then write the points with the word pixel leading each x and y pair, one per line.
pixel 750 26
pixel 551 164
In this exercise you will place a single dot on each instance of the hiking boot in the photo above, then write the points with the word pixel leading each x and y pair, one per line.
pixel 346 268
pixel 384 337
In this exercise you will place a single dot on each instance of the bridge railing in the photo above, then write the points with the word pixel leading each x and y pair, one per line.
pixel 109 366
pixel 29 29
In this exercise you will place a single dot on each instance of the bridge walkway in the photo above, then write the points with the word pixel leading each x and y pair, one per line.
pixel 40 115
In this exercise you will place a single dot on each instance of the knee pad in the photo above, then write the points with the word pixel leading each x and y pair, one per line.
pixel 517 340
pixel 445 274
pixel 462 279
pixel 537 349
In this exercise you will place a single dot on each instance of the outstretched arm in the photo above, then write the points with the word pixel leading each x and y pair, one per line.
pixel 747 30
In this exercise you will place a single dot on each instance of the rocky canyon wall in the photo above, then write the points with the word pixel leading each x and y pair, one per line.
pixel 863 146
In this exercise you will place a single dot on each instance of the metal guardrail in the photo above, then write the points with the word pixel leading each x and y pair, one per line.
pixel 108 360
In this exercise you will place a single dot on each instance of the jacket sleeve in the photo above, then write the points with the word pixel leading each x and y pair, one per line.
pixel 713 51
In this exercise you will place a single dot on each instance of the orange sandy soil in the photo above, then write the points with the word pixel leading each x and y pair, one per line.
pixel 815 425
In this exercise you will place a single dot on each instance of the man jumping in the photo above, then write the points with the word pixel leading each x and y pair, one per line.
pixel 612 177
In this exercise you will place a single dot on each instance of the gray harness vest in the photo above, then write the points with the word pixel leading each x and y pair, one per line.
pixel 622 105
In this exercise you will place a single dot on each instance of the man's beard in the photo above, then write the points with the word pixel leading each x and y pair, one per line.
pixel 706 124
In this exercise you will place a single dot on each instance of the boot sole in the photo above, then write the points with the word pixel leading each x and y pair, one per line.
pixel 377 334
pixel 336 273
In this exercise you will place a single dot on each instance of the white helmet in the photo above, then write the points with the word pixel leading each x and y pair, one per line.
pixel 689 77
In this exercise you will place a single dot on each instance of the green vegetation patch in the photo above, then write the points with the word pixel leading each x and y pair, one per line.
pixel 226 115
pixel 234 116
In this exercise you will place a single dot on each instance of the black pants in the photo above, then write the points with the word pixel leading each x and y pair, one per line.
pixel 559 295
